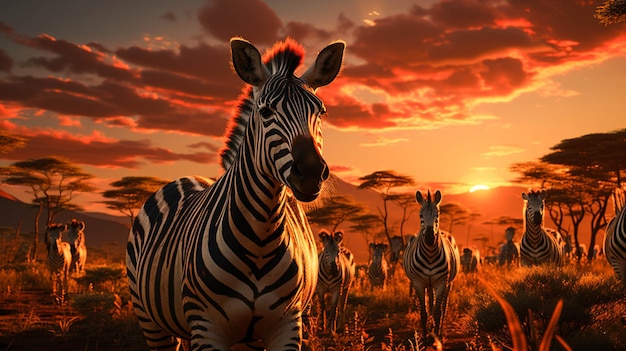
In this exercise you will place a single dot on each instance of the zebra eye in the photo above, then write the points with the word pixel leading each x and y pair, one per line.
pixel 266 112
pixel 322 112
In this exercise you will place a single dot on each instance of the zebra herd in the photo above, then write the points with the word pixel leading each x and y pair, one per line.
pixel 232 262
pixel 65 255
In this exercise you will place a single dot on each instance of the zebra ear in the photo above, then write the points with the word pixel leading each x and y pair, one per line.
pixel 82 225
pixel 437 197
pixel 338 236
pixel 524 196
pixel 543 194
pixel 419 197
pixel 326 66
pixel 246 61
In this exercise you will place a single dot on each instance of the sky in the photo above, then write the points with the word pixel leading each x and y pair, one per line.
pixel 450 93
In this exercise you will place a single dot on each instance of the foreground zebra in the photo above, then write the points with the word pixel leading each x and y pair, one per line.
pixel 615 236
pixel 76 236
pixel 378 267
pixel 59 257
pixel 431 261
pixel 336 273
pixel 539 245
pixel 235 261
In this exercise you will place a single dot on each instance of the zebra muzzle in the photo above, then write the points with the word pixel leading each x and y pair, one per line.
pixel 308 171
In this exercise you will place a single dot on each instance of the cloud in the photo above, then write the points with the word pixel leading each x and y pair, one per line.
pixel 6 62
pixel 253 20
pixel 502 150
pixel 111 153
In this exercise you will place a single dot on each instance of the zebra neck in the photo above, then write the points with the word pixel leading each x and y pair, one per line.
pixel 532 229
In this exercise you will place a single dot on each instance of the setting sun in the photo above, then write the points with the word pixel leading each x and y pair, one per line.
pixel 478 187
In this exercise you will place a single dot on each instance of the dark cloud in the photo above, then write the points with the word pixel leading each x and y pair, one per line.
pixel 6 62
pixel 114 153
pixel 301 31
pixel 253 20
pixel 169 16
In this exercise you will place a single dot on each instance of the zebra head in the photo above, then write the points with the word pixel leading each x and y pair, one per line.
pixel 534 204
pixel 286 113
pixel 75 231
pixel 54 236
pixel 429 215
pixel 331 245
pixel 377 251
pixel 509 234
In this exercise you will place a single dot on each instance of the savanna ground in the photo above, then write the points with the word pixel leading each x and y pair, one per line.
pixel 96 314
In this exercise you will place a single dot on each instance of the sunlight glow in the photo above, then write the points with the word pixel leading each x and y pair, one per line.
pixel 478 187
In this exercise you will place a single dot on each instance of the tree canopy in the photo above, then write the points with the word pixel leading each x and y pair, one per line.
pixel 129 194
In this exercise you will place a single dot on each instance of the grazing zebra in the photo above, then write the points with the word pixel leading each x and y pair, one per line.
pixel 336 273
pixel 509 251
pixel 378 266
pixel 470 260
pixel 76 235
pixel 431 261
pixel 539 245
pixel 615 236
pixel 234 261
pixel 59 257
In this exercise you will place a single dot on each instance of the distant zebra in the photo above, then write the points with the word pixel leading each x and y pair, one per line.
pixel 336 273
pixel 76 236
pixel 235 261
pixel 508 254
pixel 470 260
pixel 59 257
pixel 539 245
pixel 431 261
pixel 615 236
pixel 378 266
pixel 396 246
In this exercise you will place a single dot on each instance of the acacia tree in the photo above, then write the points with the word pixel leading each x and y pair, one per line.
pixel 384 182
pixel 611 11
pixel 408 205
pixel 130 193
pixel 54 182
pixel 369 225
pixel 455 213
pixel 336 210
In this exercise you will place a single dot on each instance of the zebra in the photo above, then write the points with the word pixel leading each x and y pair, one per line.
pixel 539 245
pixel 396 245
pixel 470 260
pixel 509 251
pixel 431 261
pixel 336 273
pixel 59 257
pixel 76 234
pixel 615 236
pixel 234 261
pixel 378 266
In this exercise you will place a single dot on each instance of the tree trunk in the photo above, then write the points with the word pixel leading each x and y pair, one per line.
pixel 33 253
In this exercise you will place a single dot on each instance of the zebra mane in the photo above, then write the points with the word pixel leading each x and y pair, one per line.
pixel 283 58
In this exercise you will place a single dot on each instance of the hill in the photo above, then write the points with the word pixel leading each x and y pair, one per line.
pixel 100 228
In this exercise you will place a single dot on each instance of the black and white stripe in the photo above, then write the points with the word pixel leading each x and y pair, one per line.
pixel 76 236
pixel 378 267
pixel 336 273
pixel 235 261
pixel 59 257
pixel 431 261
pixel 539 245
pixel 615 236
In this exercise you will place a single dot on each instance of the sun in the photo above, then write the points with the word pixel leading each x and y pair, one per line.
pixel 478 187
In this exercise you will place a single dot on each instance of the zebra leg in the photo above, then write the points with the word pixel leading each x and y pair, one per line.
pixel 322 315
pixel 287 335
pixel 334 305
pixel 421 297
pixel 440 308
pixel 156 338
pixel 343 301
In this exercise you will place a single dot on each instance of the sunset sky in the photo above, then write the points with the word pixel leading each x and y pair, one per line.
pixel 450 93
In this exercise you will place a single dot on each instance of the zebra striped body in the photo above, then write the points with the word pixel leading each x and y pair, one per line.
pixel 509 255
pixel 336 273
pixel 378 266
pixel 539 245
pixel 76 235
pixel 235 261
pixel 59 257
pixel 431 261
pixel 615 237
